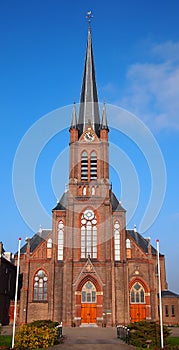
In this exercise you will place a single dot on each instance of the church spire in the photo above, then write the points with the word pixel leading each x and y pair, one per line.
pixel 89 109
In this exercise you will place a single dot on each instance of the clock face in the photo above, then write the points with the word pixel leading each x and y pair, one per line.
pixel 89 136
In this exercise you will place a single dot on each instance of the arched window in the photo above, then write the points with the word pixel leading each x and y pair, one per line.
pixel 137 294
pixel 88 234
pixel 128 243
pixel 93 191
pixel 128 248
pixel 88 294
pixel 93 166
pixel 49 243
pixel 49 248
pixel 117 240
pixel 40 286
pixel 84 166
pixel 84 191
pixel 60 239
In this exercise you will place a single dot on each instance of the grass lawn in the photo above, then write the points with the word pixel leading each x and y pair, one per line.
pixel 5 340
pixel 174 340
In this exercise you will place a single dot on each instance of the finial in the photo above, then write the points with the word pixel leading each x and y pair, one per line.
pixel 89 16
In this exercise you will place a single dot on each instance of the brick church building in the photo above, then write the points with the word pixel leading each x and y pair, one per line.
pixel 89 269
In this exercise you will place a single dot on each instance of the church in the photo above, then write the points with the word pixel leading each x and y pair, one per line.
pixel 89 269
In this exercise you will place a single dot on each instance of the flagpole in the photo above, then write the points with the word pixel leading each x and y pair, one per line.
pixel 16 292
pixel 160 295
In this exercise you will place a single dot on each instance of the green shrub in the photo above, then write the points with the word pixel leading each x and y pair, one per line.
pixel 38 334
pixel 141 332
pixel 42 323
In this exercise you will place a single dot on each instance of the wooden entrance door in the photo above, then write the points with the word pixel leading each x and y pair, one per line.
pixel 137 312
pixel 88 313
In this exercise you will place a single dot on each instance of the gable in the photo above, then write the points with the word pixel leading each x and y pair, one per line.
pixel 36 241
pixel 140 241
pixel 89 135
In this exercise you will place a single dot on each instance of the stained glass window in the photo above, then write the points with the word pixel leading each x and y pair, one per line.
pixel 88 234
pixel 60 240
pixel 117 240
pixel 40 286
pixel 137 294
pixel 88 294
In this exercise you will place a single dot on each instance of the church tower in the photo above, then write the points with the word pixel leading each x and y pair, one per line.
pixel 93 220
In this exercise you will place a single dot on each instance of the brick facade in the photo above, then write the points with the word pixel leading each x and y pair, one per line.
pixel 170 308
pixel 89 268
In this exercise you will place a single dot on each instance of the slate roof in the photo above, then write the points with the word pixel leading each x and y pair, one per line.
pixel 169 294
pixel 89 108
pixel 61 205
pixel 35 241
pixel 116 205
pixel 141 241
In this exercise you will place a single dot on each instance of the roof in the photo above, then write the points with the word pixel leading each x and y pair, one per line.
pixel 7 262
pixel 116 205
pixel 141 241
pixel 62 203
pixel 36 240
pixel 169 294
pixel 89 108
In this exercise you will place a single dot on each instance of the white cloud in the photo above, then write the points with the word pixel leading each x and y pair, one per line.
pixel 152 91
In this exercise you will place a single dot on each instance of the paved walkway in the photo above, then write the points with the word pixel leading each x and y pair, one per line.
pixel 88 338
pixel 93 338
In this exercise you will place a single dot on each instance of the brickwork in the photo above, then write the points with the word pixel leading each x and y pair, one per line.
pixel 89 273
pixel 112 279
pixel 170 310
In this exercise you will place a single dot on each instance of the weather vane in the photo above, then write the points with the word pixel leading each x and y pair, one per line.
pixel 89 16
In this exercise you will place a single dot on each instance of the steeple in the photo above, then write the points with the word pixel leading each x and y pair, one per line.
pixel 89 109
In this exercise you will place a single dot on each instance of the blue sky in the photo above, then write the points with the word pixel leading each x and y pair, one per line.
pixel 136 50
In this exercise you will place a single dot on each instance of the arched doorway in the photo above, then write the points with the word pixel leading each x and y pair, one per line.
pixel 88 303
pixel 137 303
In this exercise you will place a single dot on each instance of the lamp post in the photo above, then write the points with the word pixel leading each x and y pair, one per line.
pixel 16 292
pixel 160 295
